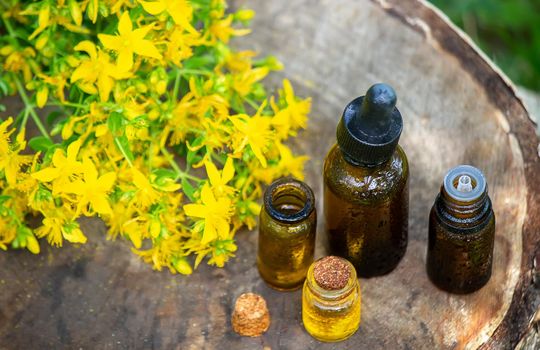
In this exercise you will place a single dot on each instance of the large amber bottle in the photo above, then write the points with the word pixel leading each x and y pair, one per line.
pixel 366 197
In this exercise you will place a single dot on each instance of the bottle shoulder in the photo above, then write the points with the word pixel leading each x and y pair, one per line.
pixel 365 183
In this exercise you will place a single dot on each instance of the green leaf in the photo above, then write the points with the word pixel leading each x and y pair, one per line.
pixel 122 143
pixel 188 189
pixel 4 87
pixel 164 173
pixel 192 157
pixel 40 143
pixel 115 122
pixel 51 118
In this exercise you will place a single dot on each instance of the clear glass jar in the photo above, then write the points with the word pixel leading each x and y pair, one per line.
pixel 331 315
pixel 287 225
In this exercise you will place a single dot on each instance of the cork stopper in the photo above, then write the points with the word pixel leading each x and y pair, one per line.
pixel 250 316
pixel 331 273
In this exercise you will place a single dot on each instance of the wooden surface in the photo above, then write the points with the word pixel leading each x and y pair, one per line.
pixel 456 109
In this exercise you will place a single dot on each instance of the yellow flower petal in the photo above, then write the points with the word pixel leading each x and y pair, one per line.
pixel 146 48
pixel 125 26
pixel 101 205
pixel 125 58
pixel 209 233
pixel 153 8
pixel 111 42
pixel 106 181
pixel 88 47
pixel 212 172
pixel 195 210
pixel 228 170
pixel 75 236
pixel 46 175
pixel 105 85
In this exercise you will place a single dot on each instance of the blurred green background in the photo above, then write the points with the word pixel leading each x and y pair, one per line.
pixel 508 31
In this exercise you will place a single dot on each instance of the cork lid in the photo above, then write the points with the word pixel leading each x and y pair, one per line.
pixel 250 317
pixel 331 273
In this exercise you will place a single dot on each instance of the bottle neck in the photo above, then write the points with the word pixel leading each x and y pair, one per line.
pixel 288 200
pixel 462 214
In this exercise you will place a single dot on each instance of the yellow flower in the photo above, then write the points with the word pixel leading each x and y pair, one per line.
pixel 43 21
pixel 289 164
pixel 96 71
pixel 215 212
pixel 243 83
pixel 56 227
pixel 180 11
pixel 254 131
pixel 8 233
pixel 219 181
pixel 179 45
pixel 129 41
pixel 146 194
pixel 298 110
pixel 93 190
pixel 10 159
pixel 223 250
pixel 223 31
pixel 63 169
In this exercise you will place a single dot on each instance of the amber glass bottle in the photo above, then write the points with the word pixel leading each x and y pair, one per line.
pixel 461 232
pixel 287 225
pixel 331 300
pixel 366 198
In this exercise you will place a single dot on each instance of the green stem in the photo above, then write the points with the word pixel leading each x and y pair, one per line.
pixel 30 107
pixel 9 28
pixel 195 71
pixel 252 103
pixel 25 117
pixel 68 104
pixel 179 172
pixel 177 84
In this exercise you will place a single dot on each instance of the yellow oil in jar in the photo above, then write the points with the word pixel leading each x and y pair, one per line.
pixel 331 315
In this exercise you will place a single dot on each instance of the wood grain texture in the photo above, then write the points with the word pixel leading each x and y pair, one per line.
pixel 456 109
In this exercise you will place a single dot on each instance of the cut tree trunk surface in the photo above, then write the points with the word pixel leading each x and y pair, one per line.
pixel 457 109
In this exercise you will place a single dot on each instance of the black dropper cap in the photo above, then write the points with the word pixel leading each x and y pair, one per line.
pixel 369 130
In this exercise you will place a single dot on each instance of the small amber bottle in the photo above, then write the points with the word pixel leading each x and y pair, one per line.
pixel 287 227
pixel 461 232
pixel 366 198
pixel 331 300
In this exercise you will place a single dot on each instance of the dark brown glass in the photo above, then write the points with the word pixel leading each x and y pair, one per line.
pixel 460 243
pixel 287 226
pixel 366 211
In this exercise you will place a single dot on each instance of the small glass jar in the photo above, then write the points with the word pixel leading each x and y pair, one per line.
pixel 287 225
pixel 329 314
pixel 461 233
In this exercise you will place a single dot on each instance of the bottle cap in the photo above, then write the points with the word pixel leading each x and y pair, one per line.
pixel 465 183
pixel 369 130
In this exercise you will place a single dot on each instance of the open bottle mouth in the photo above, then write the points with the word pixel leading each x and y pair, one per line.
pixel 289 200
pixel 465 183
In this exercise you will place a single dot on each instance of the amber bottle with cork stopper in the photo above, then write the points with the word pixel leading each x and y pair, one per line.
pixel 366 197
pixel 331 300
pixel 461 232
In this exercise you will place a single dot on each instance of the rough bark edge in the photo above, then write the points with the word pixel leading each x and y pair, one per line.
pixel 440 32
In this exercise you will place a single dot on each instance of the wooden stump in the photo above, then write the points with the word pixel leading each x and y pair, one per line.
pixel 457 109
